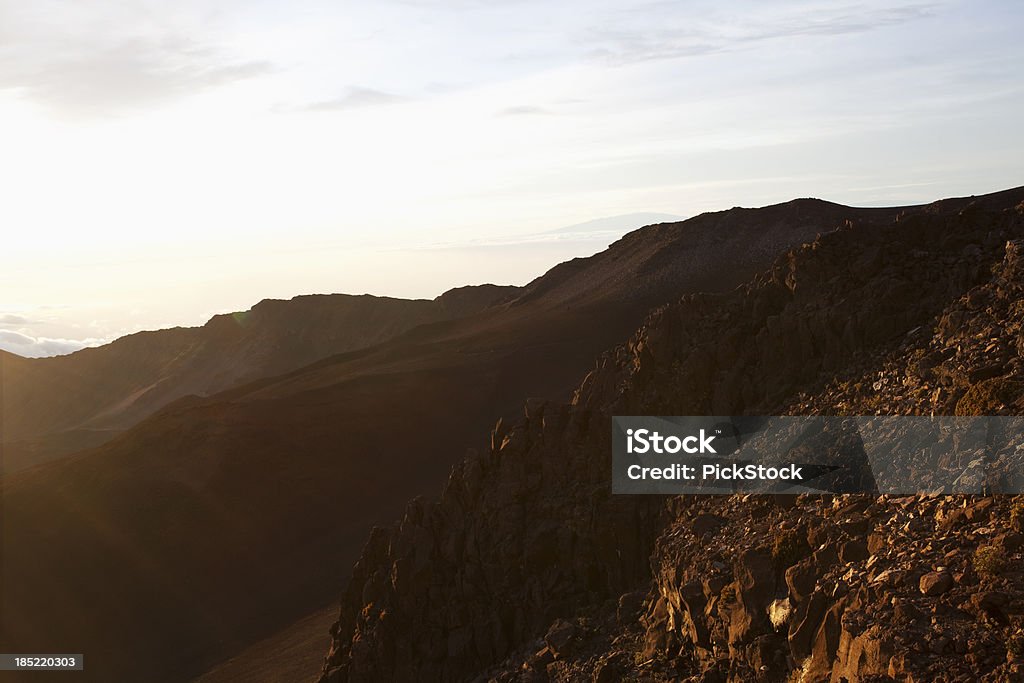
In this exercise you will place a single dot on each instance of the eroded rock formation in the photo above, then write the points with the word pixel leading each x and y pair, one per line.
pixel 528 569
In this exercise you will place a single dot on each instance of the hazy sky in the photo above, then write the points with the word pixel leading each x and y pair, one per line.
pixel 164 161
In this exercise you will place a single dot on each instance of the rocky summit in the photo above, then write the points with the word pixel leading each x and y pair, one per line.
pixel 528 569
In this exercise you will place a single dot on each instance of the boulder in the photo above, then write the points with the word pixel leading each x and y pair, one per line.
pixel 935 583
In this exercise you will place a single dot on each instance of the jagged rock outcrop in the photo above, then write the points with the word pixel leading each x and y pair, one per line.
pixel 741 588
pixel 968 361
pixel 524 533
pixel 933 600
pixel 823 308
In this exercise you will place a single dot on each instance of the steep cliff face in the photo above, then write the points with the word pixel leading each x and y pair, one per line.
pixel 527 564
pixel 523 533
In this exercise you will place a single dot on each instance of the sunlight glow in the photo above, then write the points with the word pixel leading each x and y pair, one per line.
pixel 161 165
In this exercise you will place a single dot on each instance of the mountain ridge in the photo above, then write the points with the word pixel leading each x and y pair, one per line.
pixel 60 404
pixel 526 535
pixel 269 488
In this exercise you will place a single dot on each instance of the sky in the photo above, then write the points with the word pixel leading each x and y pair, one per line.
pixel 161 162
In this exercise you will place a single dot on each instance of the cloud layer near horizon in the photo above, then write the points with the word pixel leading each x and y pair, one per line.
pixel 36 347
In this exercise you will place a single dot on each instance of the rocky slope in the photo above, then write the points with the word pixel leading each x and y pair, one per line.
pixel 528 569
pixel 269 488
pixel 62 404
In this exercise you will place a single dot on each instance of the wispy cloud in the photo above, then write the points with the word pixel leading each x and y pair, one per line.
pixel 357 98
pixel 601 231
pixel 525 110
pixel 648 41
pixel 82 63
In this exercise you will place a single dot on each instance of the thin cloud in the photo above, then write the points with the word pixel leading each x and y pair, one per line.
pixel 126 77
pixel 11 319
pixel 602 231
pixel 357 98
pixel 78 68
pixel 625 46
pixel 525 110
